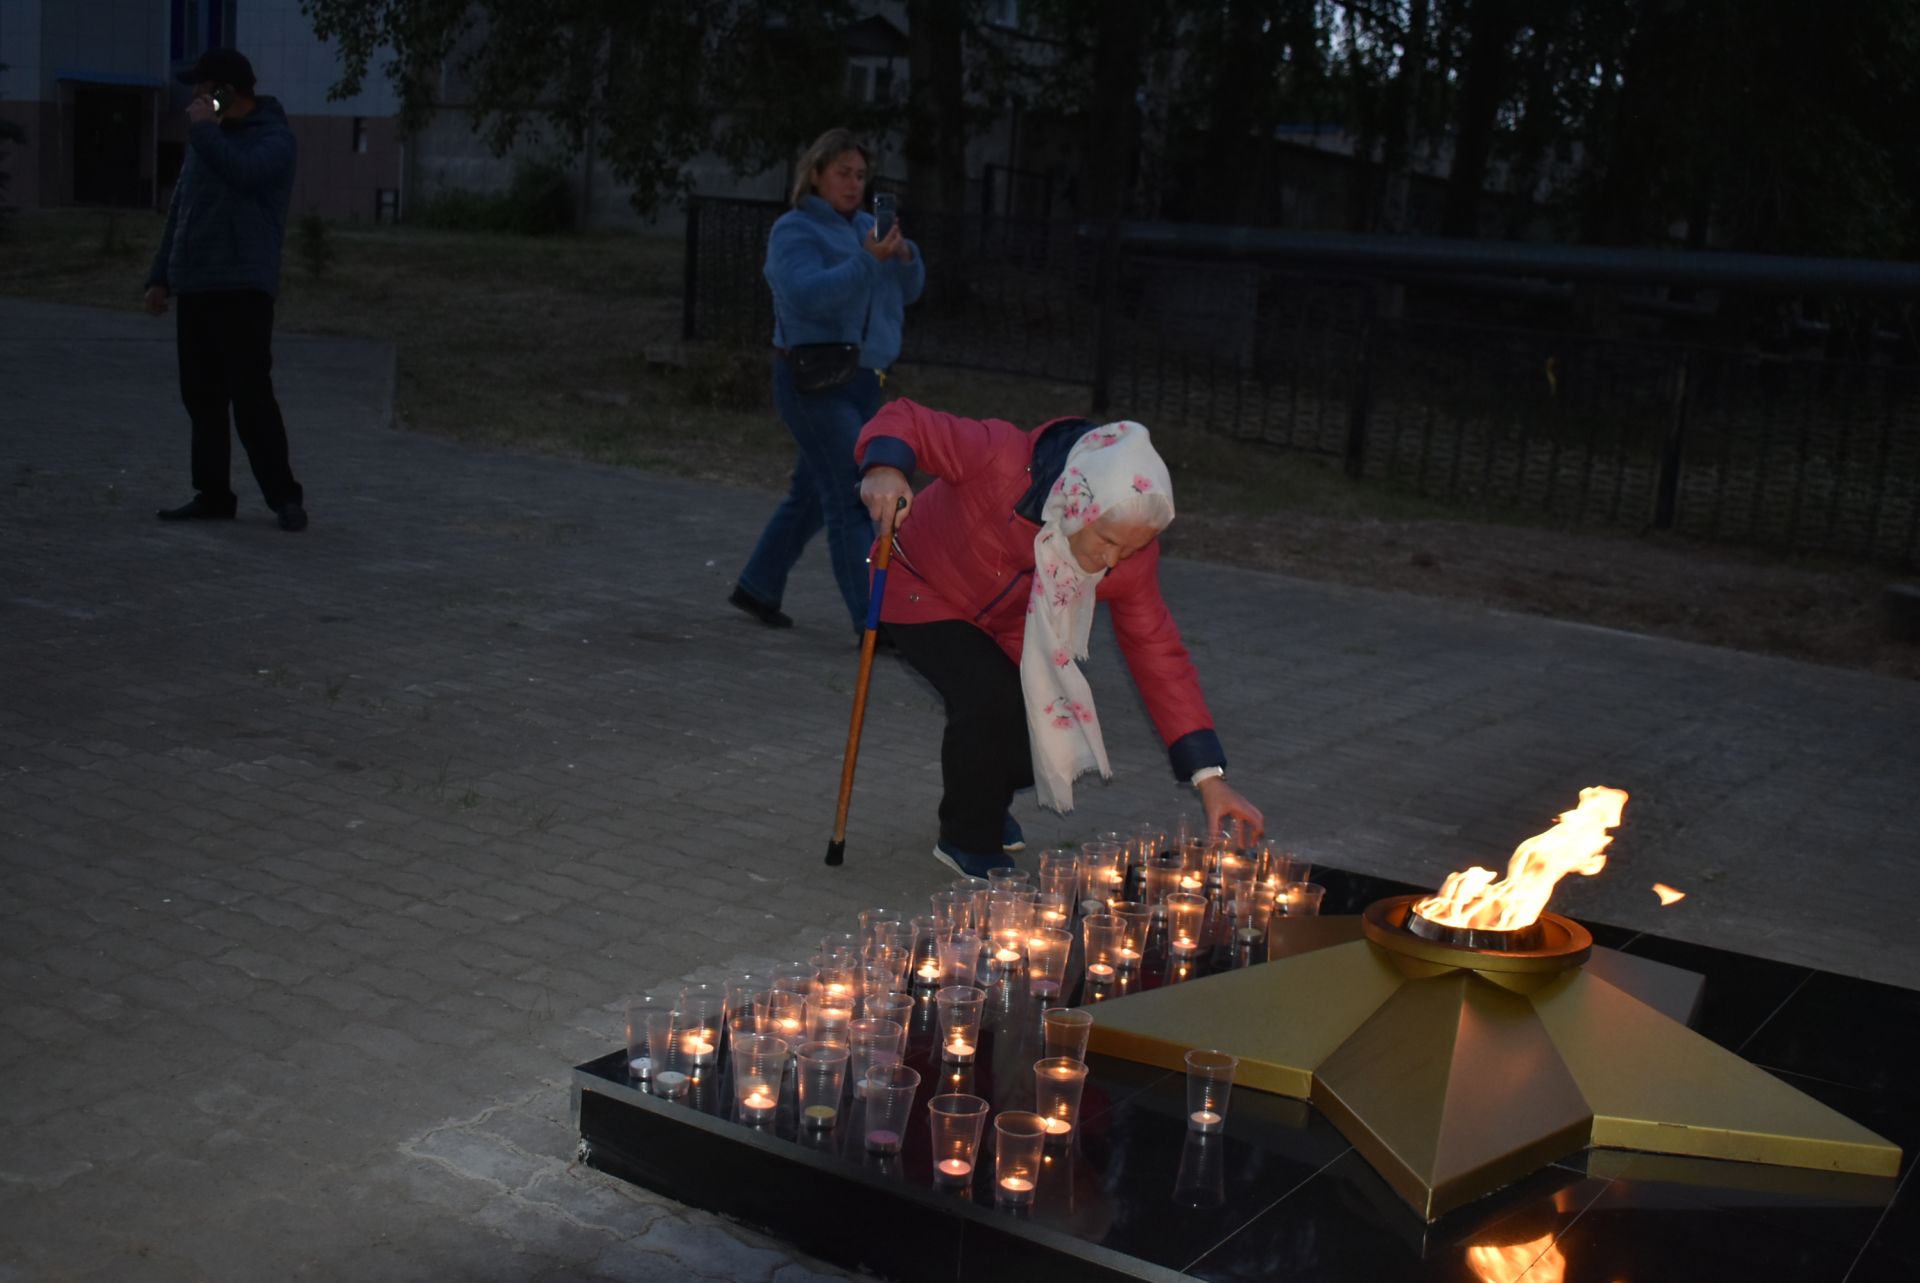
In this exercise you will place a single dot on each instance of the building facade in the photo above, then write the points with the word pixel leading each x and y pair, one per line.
pixel 92 87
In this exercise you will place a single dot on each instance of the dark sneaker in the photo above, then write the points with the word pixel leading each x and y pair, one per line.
pixel 1011 838
pixel 293 517
pixel 199 508
pixel 971 866
pixel 771 616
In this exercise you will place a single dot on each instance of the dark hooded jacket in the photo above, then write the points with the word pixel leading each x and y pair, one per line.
pixel 229 212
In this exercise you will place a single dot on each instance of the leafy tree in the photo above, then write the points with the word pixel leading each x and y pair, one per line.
pixel 652 84
pixel 1764 124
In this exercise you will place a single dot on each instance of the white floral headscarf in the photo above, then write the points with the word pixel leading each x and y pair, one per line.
pixel 1111 471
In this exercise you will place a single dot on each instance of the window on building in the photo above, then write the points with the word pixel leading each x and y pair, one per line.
pixel 360 133
pixel 856 82
pixel 1003 13
pixel 883 84
pixel 386 205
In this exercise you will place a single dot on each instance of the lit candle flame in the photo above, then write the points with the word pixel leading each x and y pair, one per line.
pixel 1668 895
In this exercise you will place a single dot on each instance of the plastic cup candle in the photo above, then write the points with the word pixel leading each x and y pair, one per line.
pixel 959 958
pixel 698 1048
pixel 1019 1142
pixel 1057 1084
pixel 960 1008
pixel 759 1063
pixel 822 1070
pixel 1102 935
pixel 1186 915
pixel 873 1042
pixel 1300 900
pixel 889 1092
pixel 1047 952
pixel 639 1011
pixel 669 1084
pixel 1066 1031
pixel 956 1120
pixel 786 1014
pixel 1209 1086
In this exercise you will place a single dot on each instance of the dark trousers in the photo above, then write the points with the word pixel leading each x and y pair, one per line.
pixel 825 490
pixel 984 755
pixel 226 359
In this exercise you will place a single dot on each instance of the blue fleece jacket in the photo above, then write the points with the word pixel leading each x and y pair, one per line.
pixel 823 281
pixel 229 211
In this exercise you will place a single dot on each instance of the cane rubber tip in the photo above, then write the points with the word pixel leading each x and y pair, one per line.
pixel 836 853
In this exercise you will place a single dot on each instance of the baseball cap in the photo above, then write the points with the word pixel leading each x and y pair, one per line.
pixel 222 67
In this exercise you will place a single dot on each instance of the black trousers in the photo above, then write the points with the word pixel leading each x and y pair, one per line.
pixel 226 359
pixel 984 755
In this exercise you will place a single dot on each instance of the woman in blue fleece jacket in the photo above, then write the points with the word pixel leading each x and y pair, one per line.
pixel 833 282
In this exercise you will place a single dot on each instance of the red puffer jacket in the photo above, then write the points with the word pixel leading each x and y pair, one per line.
pixel 964 553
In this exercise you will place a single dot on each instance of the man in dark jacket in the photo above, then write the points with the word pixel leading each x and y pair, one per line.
pixel 220 255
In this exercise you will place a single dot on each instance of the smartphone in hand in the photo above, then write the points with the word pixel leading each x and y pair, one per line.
pixel 883 210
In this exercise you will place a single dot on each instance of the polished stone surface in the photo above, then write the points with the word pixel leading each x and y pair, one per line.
pixel 1282 1195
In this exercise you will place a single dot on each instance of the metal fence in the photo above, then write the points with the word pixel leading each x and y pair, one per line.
pixel 1285 341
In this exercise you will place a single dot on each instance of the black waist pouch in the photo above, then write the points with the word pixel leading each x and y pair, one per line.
pixel 818 367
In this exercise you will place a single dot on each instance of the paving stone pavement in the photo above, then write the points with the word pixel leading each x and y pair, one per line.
pixel 326 856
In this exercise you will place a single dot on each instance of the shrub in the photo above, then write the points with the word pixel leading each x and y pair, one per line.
pixel 541 198
pixel 316 245
pixel 456 210
pixel 539 201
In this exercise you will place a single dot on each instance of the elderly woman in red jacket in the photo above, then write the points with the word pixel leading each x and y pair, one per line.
pixel 991 597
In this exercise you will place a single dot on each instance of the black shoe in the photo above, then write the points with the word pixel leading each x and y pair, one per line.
pixel 199 508
pixel 771 616
pixel 293 518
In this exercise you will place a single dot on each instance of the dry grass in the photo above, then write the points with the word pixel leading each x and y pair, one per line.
pixel 542 343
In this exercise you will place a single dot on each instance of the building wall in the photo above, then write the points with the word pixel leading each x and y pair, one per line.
pixel 335 180
pixel 107 41
pixel 21 161
pixel 56 49
pixel 342 170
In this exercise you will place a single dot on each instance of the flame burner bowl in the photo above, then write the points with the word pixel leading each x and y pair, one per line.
pixel 1518 940
pixel 1551 943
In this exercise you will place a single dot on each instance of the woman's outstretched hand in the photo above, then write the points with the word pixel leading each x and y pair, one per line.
pixel 882 490
pixel 892 245
pixel 1224 804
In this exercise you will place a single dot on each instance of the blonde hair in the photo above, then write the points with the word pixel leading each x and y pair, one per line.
pixel 827 148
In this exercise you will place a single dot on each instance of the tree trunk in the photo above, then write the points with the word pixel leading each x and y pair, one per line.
pixel 936 145
pixel 934 212
pixel 1402 141
pixel 1113 113
pixel 1486 84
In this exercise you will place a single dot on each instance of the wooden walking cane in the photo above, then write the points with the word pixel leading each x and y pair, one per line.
pixel 837 848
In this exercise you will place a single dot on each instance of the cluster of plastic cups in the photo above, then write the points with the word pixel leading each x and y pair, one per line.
pixel 842 1018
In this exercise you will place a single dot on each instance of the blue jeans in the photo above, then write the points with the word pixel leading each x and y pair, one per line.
pixel 825 490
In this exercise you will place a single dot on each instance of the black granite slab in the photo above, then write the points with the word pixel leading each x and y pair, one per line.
pixel 1282 1195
